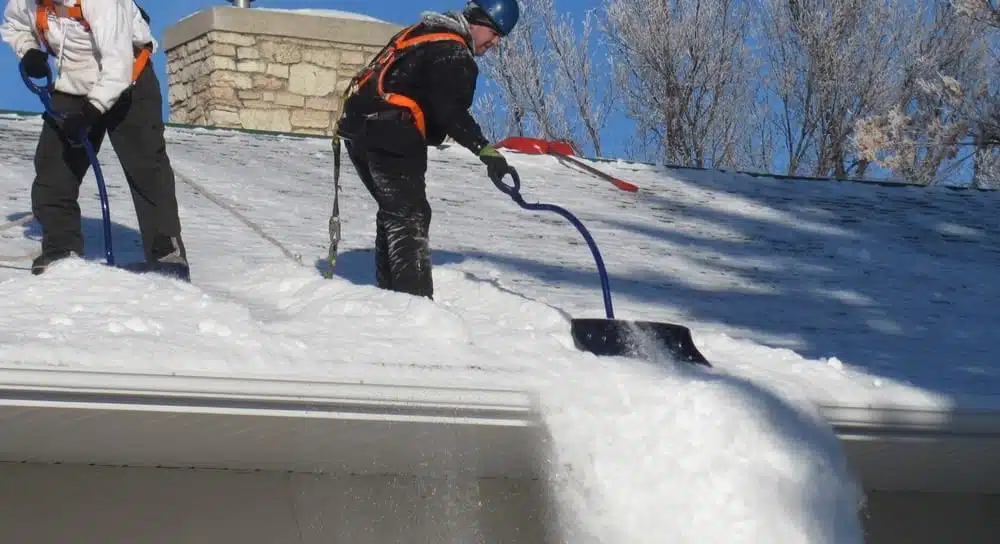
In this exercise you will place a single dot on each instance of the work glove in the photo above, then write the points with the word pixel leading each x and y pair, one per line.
pixel 496 164
pixel 35 63
pixel 77 122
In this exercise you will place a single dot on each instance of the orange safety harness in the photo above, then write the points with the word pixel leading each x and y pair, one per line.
pixel 46 8
pixel 385 59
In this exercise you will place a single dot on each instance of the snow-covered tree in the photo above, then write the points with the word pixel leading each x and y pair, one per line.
pixel 985 11
pixel 986 102
pixel 581 81
pixel 523 68
pixel 939 102
pixel 686 76
pixel 550 79
pixel 491 111
pixel 830 62
pixel 844 88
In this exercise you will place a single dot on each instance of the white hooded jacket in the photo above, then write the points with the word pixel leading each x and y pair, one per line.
pixel 96 64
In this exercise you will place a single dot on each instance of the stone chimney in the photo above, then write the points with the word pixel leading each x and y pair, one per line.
pixel 262 69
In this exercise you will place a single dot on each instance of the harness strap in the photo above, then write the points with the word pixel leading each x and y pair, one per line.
pixel 46 8
pixel 386 58
pixel 141 60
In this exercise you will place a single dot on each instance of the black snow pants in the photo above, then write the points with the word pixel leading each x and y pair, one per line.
pixel 135 127
pixel 395 179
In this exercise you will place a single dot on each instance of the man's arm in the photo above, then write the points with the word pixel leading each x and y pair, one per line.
pixel 18 29
pixel 454 73
pixel 111 26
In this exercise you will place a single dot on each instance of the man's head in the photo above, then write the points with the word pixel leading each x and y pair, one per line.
pixel 490 20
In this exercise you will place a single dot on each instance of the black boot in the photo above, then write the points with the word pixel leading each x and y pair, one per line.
pixel 170 258
pixel 409 254
pixel 43 261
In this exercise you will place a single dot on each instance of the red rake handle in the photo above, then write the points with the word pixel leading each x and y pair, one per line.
pixel 562 151
pixel 621 184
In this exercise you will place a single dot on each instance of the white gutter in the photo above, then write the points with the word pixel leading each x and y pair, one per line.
pixel 912 449
pixel 861 422
pixel 258 423
pixel 219 422
pixel 390 400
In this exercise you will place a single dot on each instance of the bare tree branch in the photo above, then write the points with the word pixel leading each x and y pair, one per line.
pixel 830 63
pixel 934 113
pixel 684 70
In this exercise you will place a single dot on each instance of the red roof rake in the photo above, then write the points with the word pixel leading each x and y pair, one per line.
pixel 562 151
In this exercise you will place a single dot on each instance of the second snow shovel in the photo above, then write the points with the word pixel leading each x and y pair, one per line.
pixel 563 152
pixel 610 336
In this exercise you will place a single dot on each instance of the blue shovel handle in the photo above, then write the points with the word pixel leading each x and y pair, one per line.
pixel 43 92
pixel 514 191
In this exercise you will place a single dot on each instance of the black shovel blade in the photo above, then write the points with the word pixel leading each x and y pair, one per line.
pixel 642 339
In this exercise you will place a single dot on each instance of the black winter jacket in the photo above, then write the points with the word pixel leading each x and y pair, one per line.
pixel 440 76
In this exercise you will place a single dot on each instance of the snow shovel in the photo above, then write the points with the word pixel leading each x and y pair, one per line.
pixel 44 93
pixel 610 336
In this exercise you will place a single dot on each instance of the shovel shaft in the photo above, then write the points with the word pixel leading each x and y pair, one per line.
pixel 109 254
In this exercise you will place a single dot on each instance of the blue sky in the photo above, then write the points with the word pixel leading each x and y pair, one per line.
pixel 166 12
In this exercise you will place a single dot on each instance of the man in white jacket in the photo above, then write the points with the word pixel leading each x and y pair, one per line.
pixel 104 84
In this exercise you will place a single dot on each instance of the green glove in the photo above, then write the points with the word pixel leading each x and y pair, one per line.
pixel 496 164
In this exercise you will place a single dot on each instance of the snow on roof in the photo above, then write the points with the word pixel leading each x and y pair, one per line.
pixel 869 284
pixel 336 13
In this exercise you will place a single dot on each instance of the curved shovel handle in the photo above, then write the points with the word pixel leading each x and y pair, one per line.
pixel 44 92
pixel 34 87
pixel 512 190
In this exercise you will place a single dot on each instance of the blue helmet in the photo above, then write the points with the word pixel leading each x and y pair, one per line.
pixel 501 15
